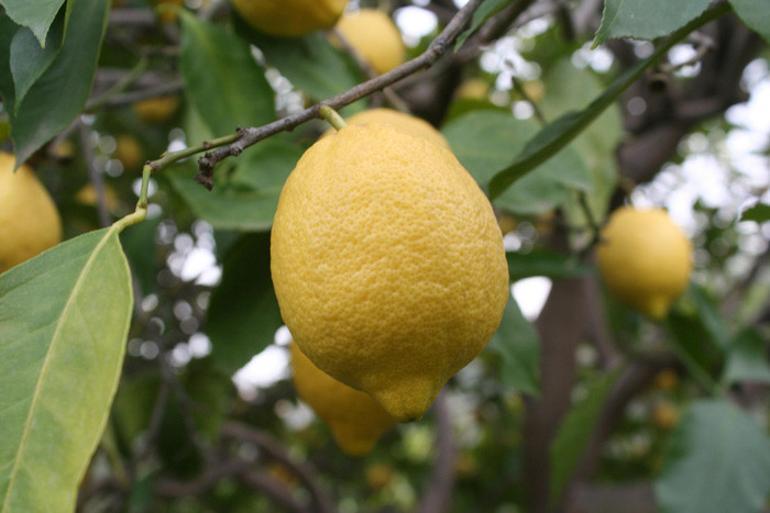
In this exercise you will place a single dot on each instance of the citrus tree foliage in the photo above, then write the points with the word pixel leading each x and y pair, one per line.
pixel 125 350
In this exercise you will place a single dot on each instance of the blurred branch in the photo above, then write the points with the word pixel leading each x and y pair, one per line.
pixel 274 489
pixel 250 136
pixel 276 451
pixel 94 174
pixel 210 477
pixel 494 28
pixel 438 493
pixel 132 16
pixel 121 100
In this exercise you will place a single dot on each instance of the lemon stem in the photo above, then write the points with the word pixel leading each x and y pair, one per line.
pixel 332 117
pixel 146 172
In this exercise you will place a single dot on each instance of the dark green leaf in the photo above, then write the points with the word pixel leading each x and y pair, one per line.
pixel 646 20
pixel 486 10
pixel 244 315
pixel 558 134
pixel 519 345
pixel 266 166
pixel 29 61
pixel 64 316
pixel 7 31
pixel 139 245
pixel 310 63
pixel 712 321
pixel 485 141
pixel 718 461
pixel 58 96
pixel 544 263
pixel 759 213
pixel 38 15
pixel 747 359
pixel 575 432
pixel 755 14
pixel 223 81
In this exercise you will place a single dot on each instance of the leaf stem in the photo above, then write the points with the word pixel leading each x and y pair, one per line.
pixel 332 117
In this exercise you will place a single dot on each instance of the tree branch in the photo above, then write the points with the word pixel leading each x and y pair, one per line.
pixel 438 493
pixel 252 135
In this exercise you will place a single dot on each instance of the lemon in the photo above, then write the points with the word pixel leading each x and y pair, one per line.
pixel 645 259
pixel 29 221
pixel 290 18
pixel 388 264
pixel 129 152
pixel 87 196
pixel 375 37
pixel 472 89
pixel 665 415
pixel 400 121
pixel 156 110
pixel 379 475
pixel 356 420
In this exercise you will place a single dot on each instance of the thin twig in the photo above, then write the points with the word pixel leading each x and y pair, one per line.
pixel 596 229
pixel 275 450
pixel 274 489
pixel 94 175
pixel 438 494
pixel 121 100
pixel 119 86
pixel 252 135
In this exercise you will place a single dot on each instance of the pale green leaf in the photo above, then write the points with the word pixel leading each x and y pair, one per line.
pixel 544 263
pixel 718 461
pixel 223 82
pixel 747 359
pixel 646 20
pixel 64 316
pixel 38 15
pixel 755 14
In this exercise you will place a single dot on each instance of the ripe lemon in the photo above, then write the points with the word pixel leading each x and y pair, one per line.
pixel 129 152
pixel 29 221
pixel 645 259
pixel 290 18
pixel 388 264
pixel 403 122
pixel 156 110
pixel 356 420
pixel 375 37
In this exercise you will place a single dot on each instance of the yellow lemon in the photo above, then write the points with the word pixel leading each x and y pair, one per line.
pixel 290 18
pixel 665 415
pixel 388 264
pixel 356 420
pixel 645 259
pixel 128 151
pixel 87 196
pixel 472 89
pixel 156 110
pixel 379 475
pixel 375 37
pixel 29 221
pixel 403 122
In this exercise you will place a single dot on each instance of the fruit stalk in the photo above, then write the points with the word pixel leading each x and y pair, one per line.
pixel 332 117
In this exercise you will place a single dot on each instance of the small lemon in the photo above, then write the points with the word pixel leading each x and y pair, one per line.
pixel 87 196
pixel 375 37
pixel 379 475
pixel 388 264
pixel 29 221
pixel 400 121
pixel 156 110
pixel 665 415
pixel 129 152
pixel 472 89
pixel 645 259
pixel 356 420
pixel 290 18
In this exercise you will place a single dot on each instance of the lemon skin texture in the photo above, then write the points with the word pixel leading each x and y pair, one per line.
pixel 290 18
pixel 388 264
pixel 29 221
pixel 375 37
pixel 645 259
pixel 405 123
pixel 357 421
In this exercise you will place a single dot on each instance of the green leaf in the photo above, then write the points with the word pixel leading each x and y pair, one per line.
pixel 755 14
pixel 244 315
pixel 708 313
pixel 519 345
pixel 718 461
pixel 747 359
pixel 310 63
pixel 29 61
pixel 759 213
pixel 568 88
pixel 138 243
pixel 7 31
pixel 486 10
pixel 485 141
pixel 223 82
pixel 646 20
pixel 58 95
pixel 575 432
pixel 266 165
pixel 38 15
pixel 64 317
pixel 544 263
pixel 558 134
